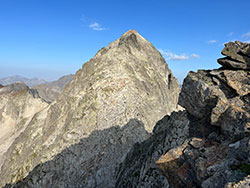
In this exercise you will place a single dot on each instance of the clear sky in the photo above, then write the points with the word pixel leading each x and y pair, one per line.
pixel 50 38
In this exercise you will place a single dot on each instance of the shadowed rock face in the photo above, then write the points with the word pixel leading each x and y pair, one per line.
pixel 205 146
pixel 126 80
pixel 69 167
pixel 139 169
pixel 18 105
pixel 50 91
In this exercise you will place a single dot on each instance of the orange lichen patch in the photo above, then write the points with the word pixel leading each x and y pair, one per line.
pixel 170 161
pixel 171 155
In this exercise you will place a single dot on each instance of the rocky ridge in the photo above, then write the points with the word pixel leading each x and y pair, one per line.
pixel 207 145
pixel 18 105
pixel 111 103
pixel 50 91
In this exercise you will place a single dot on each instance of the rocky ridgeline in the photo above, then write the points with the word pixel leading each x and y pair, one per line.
pixel 18 104
pixel 113 102
pixel 49 91
pixel 207 145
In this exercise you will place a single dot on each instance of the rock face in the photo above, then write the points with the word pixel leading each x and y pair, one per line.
pixel 50 91
pixel 219 101
pixel 139 170
pixel 208 145
pixel 238 55
pixel 18 105
pixel 111 103
pixel 29 82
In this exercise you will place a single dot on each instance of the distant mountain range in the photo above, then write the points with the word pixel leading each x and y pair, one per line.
pixel 30 82
pixel 47 90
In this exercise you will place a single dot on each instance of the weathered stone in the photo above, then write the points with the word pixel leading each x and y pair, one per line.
pixel 214 98
pixel 199 94
pixel 228 63
pixel 220 96
pixel 238 55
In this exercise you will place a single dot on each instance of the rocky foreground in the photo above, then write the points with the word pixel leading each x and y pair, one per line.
pixel 207 145
pixel 112 103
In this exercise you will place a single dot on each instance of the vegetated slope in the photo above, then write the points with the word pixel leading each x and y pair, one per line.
pixel 111 103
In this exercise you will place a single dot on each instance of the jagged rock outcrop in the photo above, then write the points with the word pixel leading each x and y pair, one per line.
pixel 49 91
pixel 112 102
pixel 219 100
pixel 18 104
pixel 211 149
pixel 237 55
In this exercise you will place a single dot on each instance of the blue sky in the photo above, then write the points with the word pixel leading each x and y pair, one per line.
pixel 50 38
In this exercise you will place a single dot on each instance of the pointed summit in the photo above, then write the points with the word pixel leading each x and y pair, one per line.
pixel 112 102
pixel 131 31
pixel 134 39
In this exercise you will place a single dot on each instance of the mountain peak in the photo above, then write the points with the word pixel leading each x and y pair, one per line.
pixel 133 36
pixel 130 32
pixel 131 42
pixel 127 85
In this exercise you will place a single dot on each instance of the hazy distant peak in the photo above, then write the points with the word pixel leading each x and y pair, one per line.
pixel 17 78
pixel 15 87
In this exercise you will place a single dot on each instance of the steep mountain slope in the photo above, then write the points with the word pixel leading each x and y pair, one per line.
pixel 49 91
pixel 112 102
pixel 208 144
pixel 18 104
pixel 13 79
